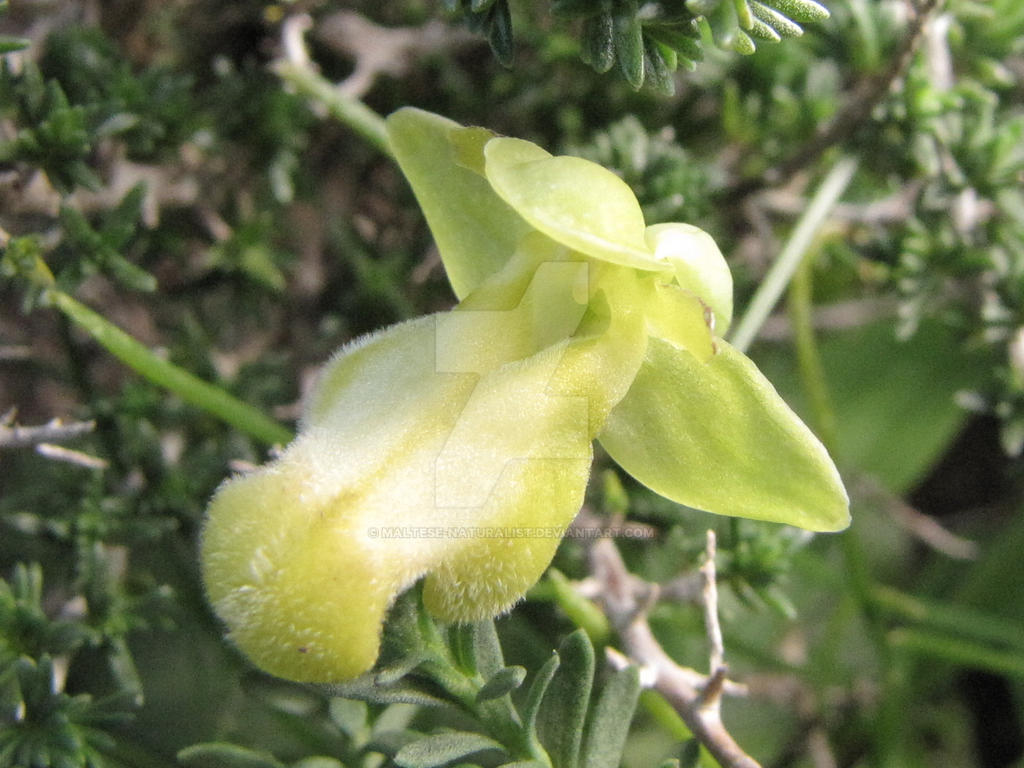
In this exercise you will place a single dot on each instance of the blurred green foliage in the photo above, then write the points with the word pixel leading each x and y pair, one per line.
pixel 154 166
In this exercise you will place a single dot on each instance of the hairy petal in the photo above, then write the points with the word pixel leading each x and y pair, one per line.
pixel 456 446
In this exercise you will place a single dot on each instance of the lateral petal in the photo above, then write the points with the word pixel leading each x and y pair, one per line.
pixel 716 436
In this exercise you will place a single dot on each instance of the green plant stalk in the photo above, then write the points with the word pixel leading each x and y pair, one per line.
pixel 189 388
pixel 581 611
pixel 958 651
pixel 350 111
pixel 823 421
pixel 800 307
pixel 971 624
pixel 782 271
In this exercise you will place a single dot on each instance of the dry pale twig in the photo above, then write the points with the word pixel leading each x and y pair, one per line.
pixel 54 431
pixel 694 696
pixel 70 456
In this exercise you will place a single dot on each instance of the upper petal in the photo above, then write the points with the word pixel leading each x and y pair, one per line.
pixel 716 436
pixel 574 201
pixel 475 230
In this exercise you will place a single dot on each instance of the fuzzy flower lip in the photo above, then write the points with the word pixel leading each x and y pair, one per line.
pixel 576 322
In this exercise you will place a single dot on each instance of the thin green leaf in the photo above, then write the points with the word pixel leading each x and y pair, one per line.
pixel 598 44
pixel 502 682
pixel 443 748
pixel 801 10
pixel 956 650
pixel 223 755
pixel 610 719
pixel 535 696
pixel 499 33
pixel 189 388
pixel 627 34
pixel 564 707
pixel 489 658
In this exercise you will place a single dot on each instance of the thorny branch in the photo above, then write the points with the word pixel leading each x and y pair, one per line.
pixel 694 696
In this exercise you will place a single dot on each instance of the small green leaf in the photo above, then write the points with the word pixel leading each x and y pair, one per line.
pixel 716 436
pixel 499 33
pixel 627 34
pixel 349 715
pixel 564 707
pixel 443 748
pixel 366 689
pixel 535 696
pixel 12 44
pixel 743 14
pixel 763 31
pixel 318 761
pixel 610 719
pixel 503 681
pixel 782 25
pixel 223 755
pixel 598 46
pixel 658 73
pixel 489 658
pixel 801 10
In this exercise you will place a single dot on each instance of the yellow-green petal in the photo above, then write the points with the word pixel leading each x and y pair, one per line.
pixel 574 201
pixel 716 436
pixel 699 266
pixel 680 318
pixel 475 230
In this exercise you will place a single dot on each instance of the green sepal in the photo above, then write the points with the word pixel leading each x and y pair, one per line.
pixel 474 229
pixel 716 436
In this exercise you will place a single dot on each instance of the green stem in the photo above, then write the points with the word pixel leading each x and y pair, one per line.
pixel 958 651
pixel 956 619
pixel 350 111
pixel 858 575
pixel 800 307
pixel 162 373
pixel 781 272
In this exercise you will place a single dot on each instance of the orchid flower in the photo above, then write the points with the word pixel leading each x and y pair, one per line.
pixel 456 447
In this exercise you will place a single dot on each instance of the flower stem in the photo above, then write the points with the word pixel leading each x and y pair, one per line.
pixel 165 374
pixel 347 109
pixel 782 271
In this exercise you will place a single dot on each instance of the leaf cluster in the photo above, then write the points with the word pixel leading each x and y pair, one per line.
pixel 650 41
pixel 483 712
